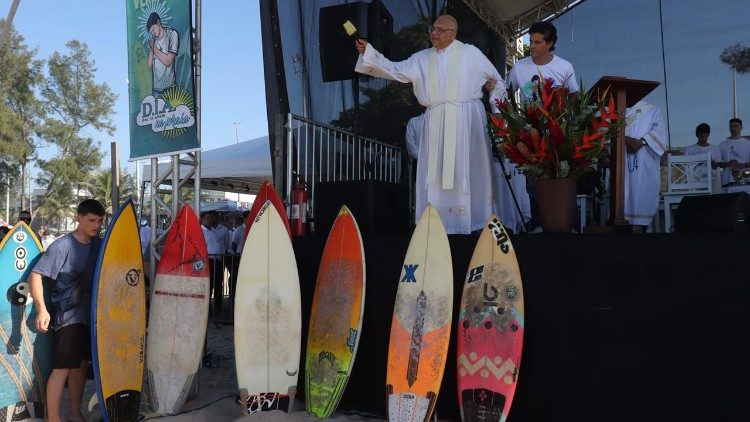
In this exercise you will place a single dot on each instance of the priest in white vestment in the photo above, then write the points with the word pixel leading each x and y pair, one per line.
pixel 645 140
pixel 453 168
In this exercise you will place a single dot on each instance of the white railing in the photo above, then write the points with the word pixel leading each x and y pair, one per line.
pixel 322 153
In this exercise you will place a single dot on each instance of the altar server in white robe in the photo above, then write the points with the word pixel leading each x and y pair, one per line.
pixel 645 140
pixel 453 168
pixel 506 207
pixel 413 135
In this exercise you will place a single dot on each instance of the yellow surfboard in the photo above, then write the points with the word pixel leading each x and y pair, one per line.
pixel 118 319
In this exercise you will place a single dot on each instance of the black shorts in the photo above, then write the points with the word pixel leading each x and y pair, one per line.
pixel 72 346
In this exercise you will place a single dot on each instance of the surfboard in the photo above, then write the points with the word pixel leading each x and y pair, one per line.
pixel 336 316
pixel 490 328
pixel 118 318
pixel 421 325
pixel 26 354
pixel 267 193
pixel 267 316
pixel 178 315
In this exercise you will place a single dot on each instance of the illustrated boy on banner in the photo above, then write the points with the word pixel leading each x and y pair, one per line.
pixel 162 51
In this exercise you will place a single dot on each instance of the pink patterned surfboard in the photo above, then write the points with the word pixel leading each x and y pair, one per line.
pixel 490 328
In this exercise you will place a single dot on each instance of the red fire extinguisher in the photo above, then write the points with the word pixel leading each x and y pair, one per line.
pixel 298 209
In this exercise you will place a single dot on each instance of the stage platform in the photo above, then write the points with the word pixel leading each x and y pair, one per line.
pixel 648 327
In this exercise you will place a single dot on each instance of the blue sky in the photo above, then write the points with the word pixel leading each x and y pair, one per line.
pixel 232 72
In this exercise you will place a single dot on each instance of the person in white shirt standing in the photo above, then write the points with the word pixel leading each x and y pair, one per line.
pixel 525 79
pixel 238 243
pixel 526 73
pixel 702 131
pixel 735 151
pixel 215 268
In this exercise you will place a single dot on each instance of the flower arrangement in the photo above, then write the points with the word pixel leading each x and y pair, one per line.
pixel 556 137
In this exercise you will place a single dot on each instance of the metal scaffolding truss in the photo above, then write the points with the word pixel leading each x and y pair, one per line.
pixel 511 19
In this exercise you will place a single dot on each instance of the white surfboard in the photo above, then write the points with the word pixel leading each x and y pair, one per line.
pixel 267 316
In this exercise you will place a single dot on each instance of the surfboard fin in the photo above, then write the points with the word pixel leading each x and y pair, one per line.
pixel 93 402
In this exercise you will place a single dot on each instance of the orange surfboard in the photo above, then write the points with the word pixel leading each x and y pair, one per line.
pixel 421 326
pixel 336 317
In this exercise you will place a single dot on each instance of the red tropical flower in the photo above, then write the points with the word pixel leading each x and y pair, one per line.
pixel 532 114
pixel 502 105
pixel 556 136
pixel 556 133
pixel 525 137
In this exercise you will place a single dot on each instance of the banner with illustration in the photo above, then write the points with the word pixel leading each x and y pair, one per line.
pixel 160 78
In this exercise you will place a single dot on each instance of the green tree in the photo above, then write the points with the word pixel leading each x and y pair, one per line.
pixel 57 208
pixel 20 110
pixel 99 185
pixel 76 103
pixel 737 57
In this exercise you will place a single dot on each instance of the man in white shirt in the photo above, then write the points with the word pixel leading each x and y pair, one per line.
pixel 525 74
pixel 702 131
pixel 221 232
pixel 238 234
pixel 215 268
pixel 735 151
pixel 238 243
pixel 454 167
pixel 525 79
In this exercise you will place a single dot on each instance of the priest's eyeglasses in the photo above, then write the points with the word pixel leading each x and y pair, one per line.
pixel 439 30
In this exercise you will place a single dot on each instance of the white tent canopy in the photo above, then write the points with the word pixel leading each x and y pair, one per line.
pixel 240 168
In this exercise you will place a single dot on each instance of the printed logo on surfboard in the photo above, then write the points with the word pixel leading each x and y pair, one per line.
pixel 262 211
pixel 199 265
pixel 20 236
pixel 133 277
pixel 20 254
pixel 500 235
pixel 19 294
pixel 410 275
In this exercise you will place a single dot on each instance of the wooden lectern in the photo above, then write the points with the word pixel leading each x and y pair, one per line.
pixel 627 93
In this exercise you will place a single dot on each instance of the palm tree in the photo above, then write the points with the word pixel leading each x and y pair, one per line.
pixel 99 184
pixel 57 208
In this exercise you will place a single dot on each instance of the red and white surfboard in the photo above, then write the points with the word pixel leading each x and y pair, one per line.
pixel 178 314
pixel 267 193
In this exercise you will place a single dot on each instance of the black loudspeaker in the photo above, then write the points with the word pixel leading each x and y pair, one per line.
pixel 338 55
pixel 379 207
pixel 727 212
